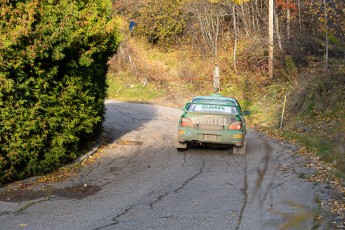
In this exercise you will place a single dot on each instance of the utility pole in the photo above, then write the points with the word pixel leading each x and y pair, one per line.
pixel 270 39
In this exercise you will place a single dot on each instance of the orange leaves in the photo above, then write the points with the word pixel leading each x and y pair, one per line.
pixel 286 4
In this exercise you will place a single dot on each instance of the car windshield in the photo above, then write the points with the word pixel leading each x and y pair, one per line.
pixel 209 108
pixel 212 100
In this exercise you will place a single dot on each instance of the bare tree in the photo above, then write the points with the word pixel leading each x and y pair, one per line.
pixel 326 37
pixel 235 36
pixel 288 20
pixel 299 15
pixel 277 30
pixel 208 17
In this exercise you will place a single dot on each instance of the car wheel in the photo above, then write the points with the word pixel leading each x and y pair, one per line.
pixel 181 146
pixel 240 150
pixel 181 149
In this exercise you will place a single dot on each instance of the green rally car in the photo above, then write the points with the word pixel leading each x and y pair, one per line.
pixel 213 119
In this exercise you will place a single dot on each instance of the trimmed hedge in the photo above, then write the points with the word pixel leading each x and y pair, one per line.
pixel 53 64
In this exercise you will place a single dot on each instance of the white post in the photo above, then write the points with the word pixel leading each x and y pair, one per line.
pixel 282 117
pixel 216 81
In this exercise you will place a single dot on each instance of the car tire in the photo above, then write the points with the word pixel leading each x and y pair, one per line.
pixel 181 149
pixel 240 150
pixel 181 146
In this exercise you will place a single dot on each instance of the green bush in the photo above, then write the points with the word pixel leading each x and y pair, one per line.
pixel 161 21
pixel 53 62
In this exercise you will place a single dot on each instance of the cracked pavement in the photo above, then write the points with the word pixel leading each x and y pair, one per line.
pixel 140 181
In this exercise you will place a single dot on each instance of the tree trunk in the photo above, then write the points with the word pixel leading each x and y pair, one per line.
pixel 235 37
pixel 244 19
pixel 253 16
pixel 258 14
pixel 276 20
pixel 288 20
pixel 216 34
pixel 326 38
pixel 299 16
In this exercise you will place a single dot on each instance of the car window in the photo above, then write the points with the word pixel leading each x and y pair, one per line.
pixel 209 108
pixel 239 106
pixel 211 100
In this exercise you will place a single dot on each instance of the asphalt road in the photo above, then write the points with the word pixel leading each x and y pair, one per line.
pixel 140 181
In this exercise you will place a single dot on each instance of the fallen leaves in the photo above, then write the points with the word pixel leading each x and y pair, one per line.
pixel 325 174
pixel 23 190
pixel 59 175
pixel 70 170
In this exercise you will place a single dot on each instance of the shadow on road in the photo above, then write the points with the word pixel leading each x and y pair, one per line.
pixel 123 118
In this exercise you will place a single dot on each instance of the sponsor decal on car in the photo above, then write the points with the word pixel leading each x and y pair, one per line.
pixel 219 121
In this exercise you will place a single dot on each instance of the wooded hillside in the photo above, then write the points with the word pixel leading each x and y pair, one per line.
pixel 186 39
pixel 301 27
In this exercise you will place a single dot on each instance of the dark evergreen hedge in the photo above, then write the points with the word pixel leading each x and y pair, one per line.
pixel 53 63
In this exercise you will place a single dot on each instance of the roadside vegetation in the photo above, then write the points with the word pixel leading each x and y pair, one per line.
pixel 54 57
pixel 53 65
pixel 175 64
pixel 309 67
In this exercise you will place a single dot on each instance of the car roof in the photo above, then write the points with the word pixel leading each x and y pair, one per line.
pixel 215 99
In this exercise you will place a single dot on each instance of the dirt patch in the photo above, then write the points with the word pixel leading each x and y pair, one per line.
pixel 129 142
pixel 22 195
pixel 123 142
pixel 74 192
pixel 77 192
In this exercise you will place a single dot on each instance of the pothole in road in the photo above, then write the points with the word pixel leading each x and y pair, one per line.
pixel 74 192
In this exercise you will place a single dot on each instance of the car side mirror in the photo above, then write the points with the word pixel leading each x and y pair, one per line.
pixel 246 112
